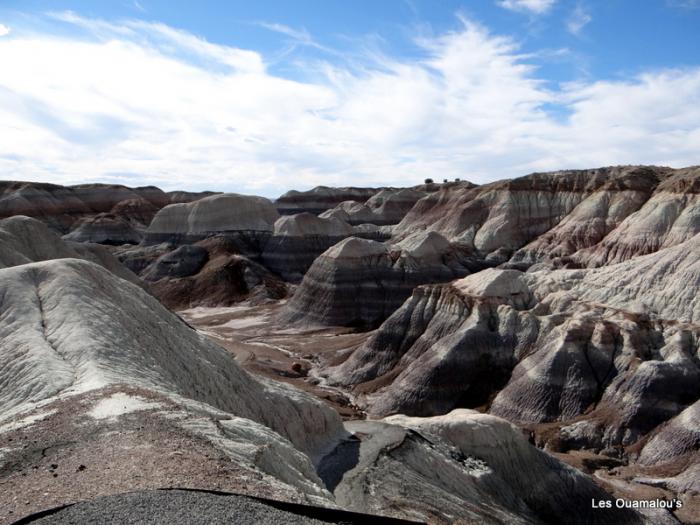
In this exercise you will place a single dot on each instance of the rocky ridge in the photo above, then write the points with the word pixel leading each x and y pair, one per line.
pixel 320 199
pixel 386 207
pixel 96 210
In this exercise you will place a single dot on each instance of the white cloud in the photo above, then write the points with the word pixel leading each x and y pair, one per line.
pixel 578 19
pixel 143 103
pixel 4 30
pixel 537 7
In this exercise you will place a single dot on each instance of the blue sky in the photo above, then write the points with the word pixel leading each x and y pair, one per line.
pixel 260 97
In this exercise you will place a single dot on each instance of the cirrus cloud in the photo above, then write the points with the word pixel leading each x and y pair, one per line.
pixel 537 7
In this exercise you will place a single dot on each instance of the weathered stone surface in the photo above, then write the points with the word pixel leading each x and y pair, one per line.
pixel 360 282
pixel 94 366
pixel 624 193
pixel 577 217
pixel 386 207
pixel 182 262
pixel 104 228
pixel 679 437
pixel 71 326
pixel 549 345
pixel 444 347
pixel 211 272
pixel 250 219
pixel 298 239
pixel 138 258
pixel 669 217
pixel 62 207
pixel 437 469
pixel 24 240
pixel 320 199
pixel 137 212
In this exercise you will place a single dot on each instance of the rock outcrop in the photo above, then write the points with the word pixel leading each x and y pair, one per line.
pixel 577 218
pixel 387 207
pixel 677 438
pixel 85 353
pixel 297 240
pixel 246 219
pixel 70 326
pixel 447 346
pixel 210 273
pixel 669 217
pixel 638 211
pixel 618 343
pixel 24 240
pixel 320 199
pixel 455 460
pixel 360 282
pixel 110 211
pixel 104 228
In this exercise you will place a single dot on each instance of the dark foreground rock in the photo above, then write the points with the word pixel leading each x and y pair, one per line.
pixel 194 507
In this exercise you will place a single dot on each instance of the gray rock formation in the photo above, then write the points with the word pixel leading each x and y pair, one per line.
pixel 669 217
pixel 138 258
pixel 360 282
pixel 446 346
pixel 462 457
pixel 71 326
pixel 320 199
pixel 298 239
pixel 181 262
pixel 638 211
pixel 104 228
pixel 247 219
pixel 24 240
pixel 388 206
pixel 211 272
pixel 578 218
pixel 61 206
pixel 93 366
pixel 550 346
pixel 64 207
pixel 679 437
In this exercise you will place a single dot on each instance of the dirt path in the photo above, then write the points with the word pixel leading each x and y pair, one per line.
pixel 280 352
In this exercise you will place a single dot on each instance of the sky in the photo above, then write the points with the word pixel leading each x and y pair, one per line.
pixel 261 97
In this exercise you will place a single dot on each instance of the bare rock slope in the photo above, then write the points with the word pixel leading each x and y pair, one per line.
pixel 320 199
pixel 360 282
pixel 439 467
pixel 24 240
pixel 386 207
pixel 298 239
pixel 578 217
pixel 211 272
pixel 247 219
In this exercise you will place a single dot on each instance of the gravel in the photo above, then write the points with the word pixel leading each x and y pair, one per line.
pixel 166 507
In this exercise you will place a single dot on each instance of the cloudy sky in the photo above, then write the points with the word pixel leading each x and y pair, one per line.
pixel 262 98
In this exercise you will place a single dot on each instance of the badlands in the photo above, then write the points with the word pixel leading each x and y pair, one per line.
pixel 520 352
